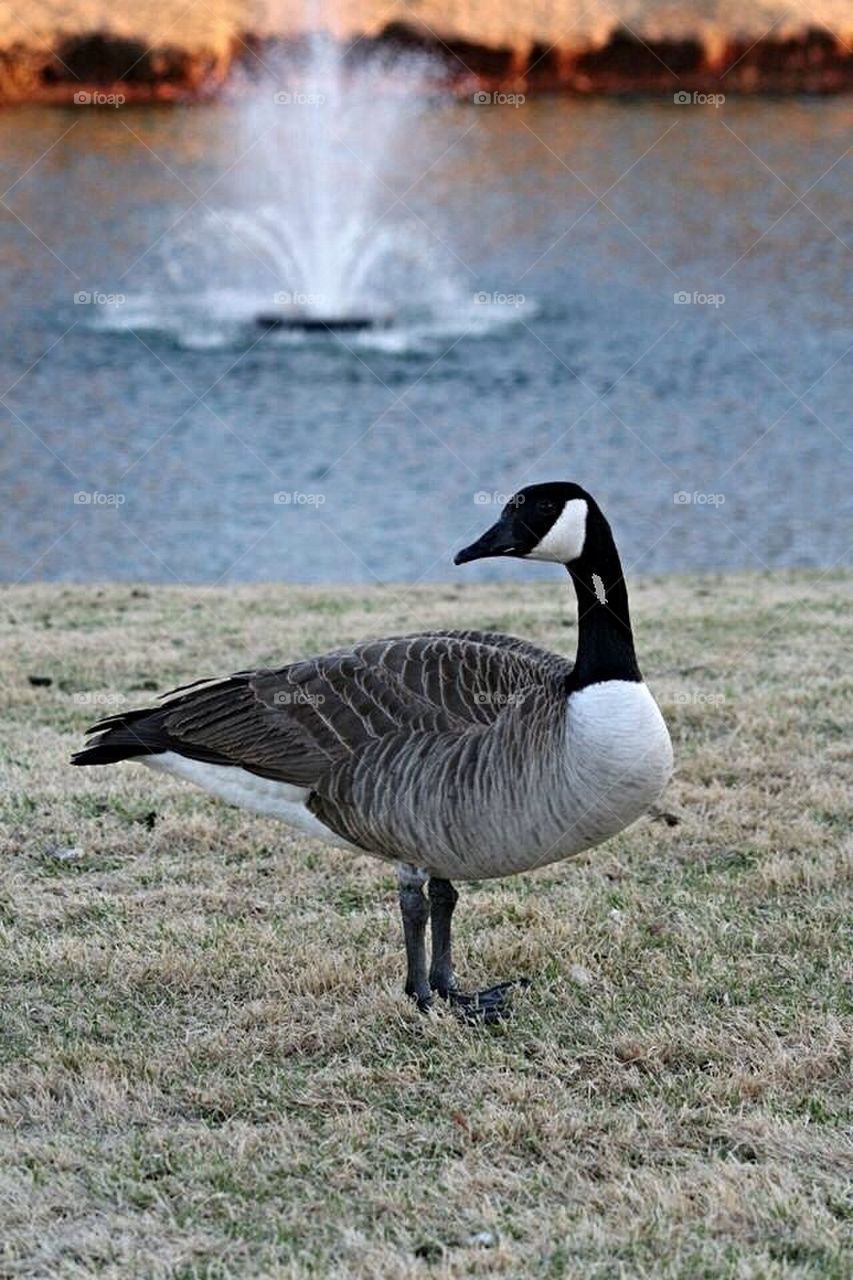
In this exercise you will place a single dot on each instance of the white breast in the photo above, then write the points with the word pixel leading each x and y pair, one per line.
pixel 619 756
pixel 609 763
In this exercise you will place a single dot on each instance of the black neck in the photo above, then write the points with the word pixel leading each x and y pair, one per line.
pixel 605 640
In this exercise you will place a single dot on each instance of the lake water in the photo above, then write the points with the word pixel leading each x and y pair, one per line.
pixel 715 432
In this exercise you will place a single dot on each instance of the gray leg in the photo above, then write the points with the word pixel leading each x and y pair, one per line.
pixel 442 899
pixel 415 912
pixel 481 1006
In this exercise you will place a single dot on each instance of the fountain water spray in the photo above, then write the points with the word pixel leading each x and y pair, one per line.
pixel 322 214
pixel 318 221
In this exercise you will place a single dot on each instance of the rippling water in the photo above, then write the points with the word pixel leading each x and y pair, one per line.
pixel 715 431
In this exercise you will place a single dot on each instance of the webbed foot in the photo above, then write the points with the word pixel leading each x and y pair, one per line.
pixel 487 1006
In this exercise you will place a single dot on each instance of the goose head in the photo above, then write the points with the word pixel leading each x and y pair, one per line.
pixel 540 522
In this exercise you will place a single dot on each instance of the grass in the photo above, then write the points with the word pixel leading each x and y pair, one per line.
pixel 207 1066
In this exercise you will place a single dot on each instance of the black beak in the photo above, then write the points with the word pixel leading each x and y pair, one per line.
pixel 496 541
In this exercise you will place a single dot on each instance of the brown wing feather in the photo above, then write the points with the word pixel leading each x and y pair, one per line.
pixel 297 722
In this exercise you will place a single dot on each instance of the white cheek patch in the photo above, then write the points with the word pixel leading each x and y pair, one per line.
pixel 564 540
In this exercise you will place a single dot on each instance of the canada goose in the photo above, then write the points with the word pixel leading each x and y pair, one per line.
pixel 458 755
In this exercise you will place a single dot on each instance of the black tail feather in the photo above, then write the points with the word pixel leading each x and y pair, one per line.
pixel 124 736
pixel 110 753
pixel 143 732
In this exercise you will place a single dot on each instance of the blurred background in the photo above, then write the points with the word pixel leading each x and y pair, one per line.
pixel 303 292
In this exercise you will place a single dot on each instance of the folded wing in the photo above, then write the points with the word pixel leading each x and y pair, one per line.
pixel 294 724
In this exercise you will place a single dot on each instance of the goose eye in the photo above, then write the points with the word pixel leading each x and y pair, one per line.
pixel 547 507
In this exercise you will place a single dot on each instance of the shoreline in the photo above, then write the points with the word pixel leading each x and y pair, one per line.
pixel 84 69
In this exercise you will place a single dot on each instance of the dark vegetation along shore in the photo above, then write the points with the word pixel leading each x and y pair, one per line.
pixel 813 60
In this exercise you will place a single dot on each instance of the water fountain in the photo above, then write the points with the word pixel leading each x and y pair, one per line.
pixel 318 210
pixel 341 129
pixel 317 223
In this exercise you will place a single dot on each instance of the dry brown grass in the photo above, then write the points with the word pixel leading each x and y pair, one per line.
pixel 208 1066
